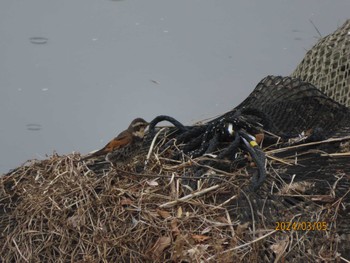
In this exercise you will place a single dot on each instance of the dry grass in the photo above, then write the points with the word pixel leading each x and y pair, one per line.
pixel 61 210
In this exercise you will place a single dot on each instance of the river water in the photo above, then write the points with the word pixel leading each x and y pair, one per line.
pixel 75 73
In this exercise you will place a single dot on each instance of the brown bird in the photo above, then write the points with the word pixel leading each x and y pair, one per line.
pixel 134 133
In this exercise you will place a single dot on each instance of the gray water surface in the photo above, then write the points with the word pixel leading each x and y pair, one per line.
pixel 75 73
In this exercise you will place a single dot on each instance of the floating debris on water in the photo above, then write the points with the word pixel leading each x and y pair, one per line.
pixel 154 81
pixel 38 40
pixel 33 127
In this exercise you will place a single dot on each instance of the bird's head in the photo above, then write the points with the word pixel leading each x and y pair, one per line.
pixel 137 127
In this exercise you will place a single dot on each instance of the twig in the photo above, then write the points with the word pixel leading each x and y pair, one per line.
pixel 230 223
pixel 244 245
pixel 227 201
pixel 307 144
pixel 319 33
pixel 188 197
pixel 278 160
pixel 152 144
pixel 19 251
pixel 218 177
pixel 345 260
pixel 251 210
pixel 336 154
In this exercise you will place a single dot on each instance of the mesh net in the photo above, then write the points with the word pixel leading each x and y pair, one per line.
pixel 292 106
pixel 327 65
pixel 66 209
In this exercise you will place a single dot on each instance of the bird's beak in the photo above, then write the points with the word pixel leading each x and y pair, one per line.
pixel 146 128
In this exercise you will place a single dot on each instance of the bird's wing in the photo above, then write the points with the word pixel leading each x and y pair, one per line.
pixel 120 141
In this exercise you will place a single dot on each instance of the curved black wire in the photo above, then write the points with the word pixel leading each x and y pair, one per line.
pixel 161 118
pixel 228 134
pixel 259 158
pixel 232 149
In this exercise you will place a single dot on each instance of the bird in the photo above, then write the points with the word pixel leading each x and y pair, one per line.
pixel 126 139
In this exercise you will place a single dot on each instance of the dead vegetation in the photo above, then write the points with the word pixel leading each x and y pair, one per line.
pixel 193 201
pixel 65 210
